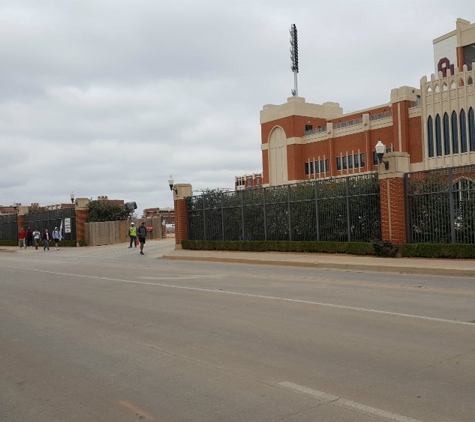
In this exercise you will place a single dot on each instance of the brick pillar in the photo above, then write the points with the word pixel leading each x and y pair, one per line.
pixel 81 216
pixel 393 200
pixel 180 193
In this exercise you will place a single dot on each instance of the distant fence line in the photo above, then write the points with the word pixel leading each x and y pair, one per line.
pixel 112 232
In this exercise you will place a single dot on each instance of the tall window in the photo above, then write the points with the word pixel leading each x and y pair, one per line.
pixel 438 136
pixel 430 136
pixel 471 129
pixel 463 131
pixel 446 135
pixel 455 138
pixel 338 163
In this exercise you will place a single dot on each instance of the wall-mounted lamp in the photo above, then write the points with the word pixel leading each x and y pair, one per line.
pixel 380 150
pixel 72 197
pixel 171 183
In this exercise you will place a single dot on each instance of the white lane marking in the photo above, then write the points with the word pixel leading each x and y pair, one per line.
pixel 338 401
pixel 185 277
pixel 254 296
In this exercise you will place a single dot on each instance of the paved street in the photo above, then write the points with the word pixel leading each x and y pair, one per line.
pixel 104 334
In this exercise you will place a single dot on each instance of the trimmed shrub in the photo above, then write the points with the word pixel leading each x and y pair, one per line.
pixel 438 250
pixel 355 248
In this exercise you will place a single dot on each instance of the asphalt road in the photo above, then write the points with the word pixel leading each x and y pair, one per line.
pixel 104 334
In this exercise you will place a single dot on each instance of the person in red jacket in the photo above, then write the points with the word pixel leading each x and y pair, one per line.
pixel 22 237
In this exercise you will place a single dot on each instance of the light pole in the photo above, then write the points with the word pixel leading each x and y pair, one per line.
pixel 171 184
pixel 380 150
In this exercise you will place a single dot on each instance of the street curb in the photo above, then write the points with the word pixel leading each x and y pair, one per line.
pixel 452 272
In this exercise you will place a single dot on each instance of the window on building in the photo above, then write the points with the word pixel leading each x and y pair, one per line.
pixel 312 167
pixel 307 169
pixel 338 163
pixel 471 129
pixel 463 131
pixel 356 160
pixel 430 136
pixel 324 166
pixel 350 161
pixel 446 135
pixel 455 138
pixel 344 163
pixel 438 137
pixel 362 158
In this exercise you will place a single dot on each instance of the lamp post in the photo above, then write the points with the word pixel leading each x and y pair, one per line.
pixel 72 197
pixel 171 183
pixel 380 150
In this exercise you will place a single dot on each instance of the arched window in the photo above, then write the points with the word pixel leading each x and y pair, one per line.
pixel 469 81
pixel 430 136
pixel 446 135
pixel 463 131
pixel 471 129
pixel 437 88
pixel 455 138
pixel 438 137
pixel 429 90
pixel 453 85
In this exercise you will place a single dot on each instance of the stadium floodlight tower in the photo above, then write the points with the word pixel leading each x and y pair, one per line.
pixel 294 57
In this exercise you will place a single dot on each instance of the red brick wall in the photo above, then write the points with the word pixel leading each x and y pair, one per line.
pixel 81 216
pixel 415 140
pixel 393 212
pixel 181 221
pixel 294 126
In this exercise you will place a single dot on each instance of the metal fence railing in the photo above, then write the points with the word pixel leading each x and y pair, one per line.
pixel 338 209
pixel 9 227
pixel 440 205
pixel 64 218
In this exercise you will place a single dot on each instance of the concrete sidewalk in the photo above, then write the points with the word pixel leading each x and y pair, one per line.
pixel 423 266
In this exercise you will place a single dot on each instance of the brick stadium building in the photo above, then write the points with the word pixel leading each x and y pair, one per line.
pixel 433 125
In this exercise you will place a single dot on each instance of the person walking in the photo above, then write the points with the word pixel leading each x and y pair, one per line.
pixel 29 237
pixel 46 239
pixel 142 234
pixel 56 238
pixel 22 237
pixel 133 234
pixel 36 238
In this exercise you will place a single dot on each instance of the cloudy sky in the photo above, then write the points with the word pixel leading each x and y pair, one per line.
pixel 110 97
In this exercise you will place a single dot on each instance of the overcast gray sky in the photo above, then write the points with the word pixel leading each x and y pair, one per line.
pixel 110 97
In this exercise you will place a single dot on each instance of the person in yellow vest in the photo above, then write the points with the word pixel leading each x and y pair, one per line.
pixel 132 234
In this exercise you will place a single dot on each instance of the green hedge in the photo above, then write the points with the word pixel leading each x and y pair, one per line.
pixel 438 250
pixel 354 248
pixel 8 242
pixel 378 248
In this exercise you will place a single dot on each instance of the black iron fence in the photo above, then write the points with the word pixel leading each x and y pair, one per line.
pixel 440 205
pixel 9 227
pixel 338 209
pixel 64 219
